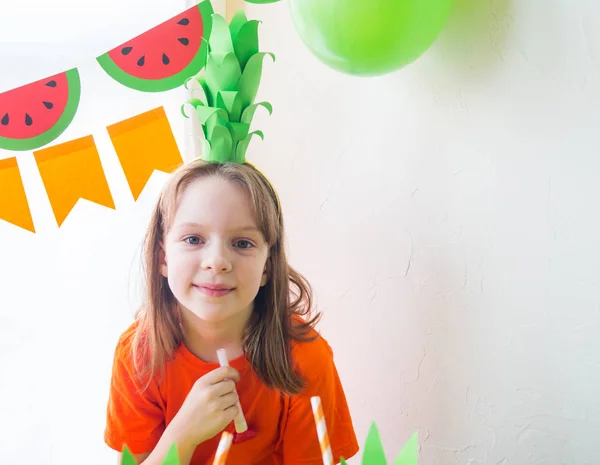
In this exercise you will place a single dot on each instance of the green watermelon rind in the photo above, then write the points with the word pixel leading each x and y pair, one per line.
pixel 32 143
pixel 171 82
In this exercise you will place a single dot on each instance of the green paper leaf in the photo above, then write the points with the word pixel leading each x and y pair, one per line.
pixel 199 89
pixel 236 23
pixel 230 101
pixel 205 113
pixel 223 76
pixel 205 149
pixel 127 457
pixel 221 145
pixel 172 457
pixel 240 131
pixel 195 102
pixel 342 461
pixel 250 80
pixel 373 453
pixel 246 42
pixel 220 37
pixel 248 113
pixel 242 147
pixel 212 122
pixel 410 452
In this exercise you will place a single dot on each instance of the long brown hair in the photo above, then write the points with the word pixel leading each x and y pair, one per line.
pixel 273 323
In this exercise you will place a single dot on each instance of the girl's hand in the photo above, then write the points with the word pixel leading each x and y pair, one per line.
pixel 208 408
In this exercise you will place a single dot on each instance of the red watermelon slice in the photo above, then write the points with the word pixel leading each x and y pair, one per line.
pixel 164 57
pixel 35 114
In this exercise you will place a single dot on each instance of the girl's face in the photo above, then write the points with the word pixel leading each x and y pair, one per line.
pixel 214 254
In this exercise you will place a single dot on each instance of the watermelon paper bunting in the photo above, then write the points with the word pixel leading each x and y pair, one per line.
pixel 35 114
pixel 163 57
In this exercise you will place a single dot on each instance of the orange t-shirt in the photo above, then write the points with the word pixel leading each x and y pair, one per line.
pixel 285 428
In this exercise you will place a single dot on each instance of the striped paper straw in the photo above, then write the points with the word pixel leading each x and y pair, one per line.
pixel 223 448
pixel 322 430
pixel 239 420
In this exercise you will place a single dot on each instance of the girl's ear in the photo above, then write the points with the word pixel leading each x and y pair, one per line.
pixel 163 260
pixel 265 276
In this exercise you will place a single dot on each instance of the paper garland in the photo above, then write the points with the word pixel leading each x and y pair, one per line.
pixel 36 114
pixel 73 171
pixel 163 57
pixel 143 144
pixel 15 211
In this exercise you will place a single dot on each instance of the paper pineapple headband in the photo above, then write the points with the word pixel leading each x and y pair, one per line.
pixel 224 91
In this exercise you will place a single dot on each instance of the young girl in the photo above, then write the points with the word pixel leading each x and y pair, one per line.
pixel 217 277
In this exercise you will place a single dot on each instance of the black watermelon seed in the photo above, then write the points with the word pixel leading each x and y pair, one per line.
pixel 184 41
pixel 126 50
pixel 28 120
pixel 183 22
pixel 165 59
pixel 48 105
pixel 5 120
pixel 141 61
pixel 51 83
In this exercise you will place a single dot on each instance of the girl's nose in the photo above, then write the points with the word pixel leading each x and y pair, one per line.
pixel 216 261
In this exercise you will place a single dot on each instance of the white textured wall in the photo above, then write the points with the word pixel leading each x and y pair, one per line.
pixel 450 228
pixel 449 217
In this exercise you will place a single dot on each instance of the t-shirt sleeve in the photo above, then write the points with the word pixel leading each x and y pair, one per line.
pixel 300 440
pixel 134 418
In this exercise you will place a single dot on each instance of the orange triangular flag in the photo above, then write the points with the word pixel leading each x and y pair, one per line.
pixel 14 207
pixel 145 143
pixel 73 171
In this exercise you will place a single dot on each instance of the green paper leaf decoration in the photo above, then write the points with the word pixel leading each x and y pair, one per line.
pixel 374 453
pixel 240 131
pixel 223 93
pixel 342 461
pixel 237 22
pixel 225 75
pixel 205 113
pixel 246 42
pixel 221 144
pixel 242 147
pixel 231 102
pixel 220 36
pixel 410 452
pixel 250 80
pixel 211 124
pixel 172 457
pixel 249 111
pixel 127 457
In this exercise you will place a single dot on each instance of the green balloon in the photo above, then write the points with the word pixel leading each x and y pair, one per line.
pixel 369 37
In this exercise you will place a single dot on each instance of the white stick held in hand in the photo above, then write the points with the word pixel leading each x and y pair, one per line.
pixel 240 420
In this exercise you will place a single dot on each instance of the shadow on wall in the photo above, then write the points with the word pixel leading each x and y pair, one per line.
pixel 473 41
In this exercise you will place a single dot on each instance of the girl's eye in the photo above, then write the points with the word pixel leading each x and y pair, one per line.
pixel 243 244
pixel 192 240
